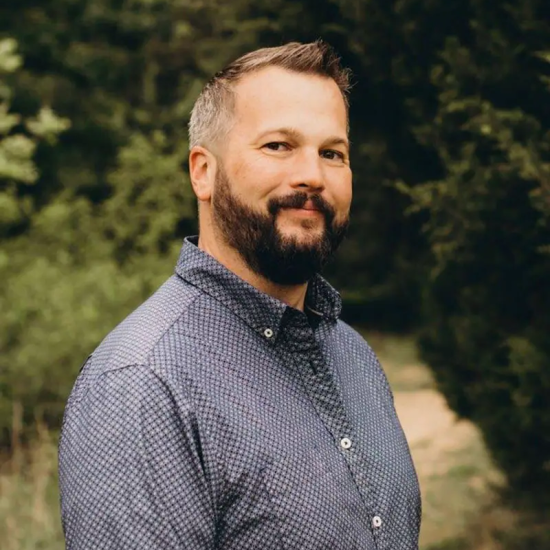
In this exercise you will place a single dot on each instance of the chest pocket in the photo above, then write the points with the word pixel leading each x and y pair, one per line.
pixel 316 504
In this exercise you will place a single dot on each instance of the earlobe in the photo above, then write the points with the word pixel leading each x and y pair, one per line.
pixel 202 170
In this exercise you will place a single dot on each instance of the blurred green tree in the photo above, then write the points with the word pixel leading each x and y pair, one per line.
pixel 111 195
pixel 19 137
pixel 487 297
pixel 448 99
pixel 128 72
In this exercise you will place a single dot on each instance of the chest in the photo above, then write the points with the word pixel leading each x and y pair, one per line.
pixel 306 448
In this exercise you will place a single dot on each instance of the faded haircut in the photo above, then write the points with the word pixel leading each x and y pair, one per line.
pixel 212 114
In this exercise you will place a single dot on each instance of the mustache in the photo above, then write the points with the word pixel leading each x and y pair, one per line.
pixel 298 200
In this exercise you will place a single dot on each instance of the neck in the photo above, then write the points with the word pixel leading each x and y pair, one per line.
pixel 292 295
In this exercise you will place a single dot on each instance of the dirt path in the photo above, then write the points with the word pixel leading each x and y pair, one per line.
pixel 451 462
pixel 433 431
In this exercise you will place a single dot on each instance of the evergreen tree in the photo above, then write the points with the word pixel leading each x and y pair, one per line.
pixel 487 298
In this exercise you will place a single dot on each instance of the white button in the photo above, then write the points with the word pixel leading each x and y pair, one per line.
pixel 345 443
pixel 377 521
pixel 268 333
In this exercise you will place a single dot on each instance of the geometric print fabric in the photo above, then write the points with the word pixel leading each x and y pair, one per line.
pixel 217 417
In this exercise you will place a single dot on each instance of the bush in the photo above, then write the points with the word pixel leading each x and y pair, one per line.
pixel 487 292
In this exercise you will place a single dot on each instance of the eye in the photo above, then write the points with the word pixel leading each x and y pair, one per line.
pixel 277 146
pixel 331 154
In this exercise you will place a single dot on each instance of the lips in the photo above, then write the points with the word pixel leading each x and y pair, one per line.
pixel 310 206
pixel 301 204
pixel 305 212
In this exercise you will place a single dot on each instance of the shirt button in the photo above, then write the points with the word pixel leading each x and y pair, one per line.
pixel 268 333
pixel 345 443
pixel 377 522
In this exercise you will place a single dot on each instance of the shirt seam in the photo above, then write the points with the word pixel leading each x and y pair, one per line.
pixel 169 328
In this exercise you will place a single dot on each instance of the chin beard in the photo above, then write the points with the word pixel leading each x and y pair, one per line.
pixel 281 259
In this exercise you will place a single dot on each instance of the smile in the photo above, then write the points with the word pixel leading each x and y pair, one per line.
pixel 304 212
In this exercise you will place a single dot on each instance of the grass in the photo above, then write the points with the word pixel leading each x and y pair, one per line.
pixel 29 501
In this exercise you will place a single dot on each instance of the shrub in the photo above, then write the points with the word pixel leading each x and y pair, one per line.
pixel 487 293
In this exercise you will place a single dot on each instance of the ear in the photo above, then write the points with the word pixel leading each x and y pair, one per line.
pixel 202 171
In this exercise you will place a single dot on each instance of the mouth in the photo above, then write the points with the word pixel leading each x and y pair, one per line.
pixel 304 212
pixel 308 209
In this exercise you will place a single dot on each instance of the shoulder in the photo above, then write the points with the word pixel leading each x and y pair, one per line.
pixel 134 341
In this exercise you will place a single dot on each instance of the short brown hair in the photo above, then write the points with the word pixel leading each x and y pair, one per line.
pixel 211 114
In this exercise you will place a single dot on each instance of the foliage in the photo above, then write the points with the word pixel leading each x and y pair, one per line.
pixel 82 216
pixel 450 104
pixel 111 193
pixel 18 140
pixel 487 298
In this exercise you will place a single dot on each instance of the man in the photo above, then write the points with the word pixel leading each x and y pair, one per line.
pixel 233 410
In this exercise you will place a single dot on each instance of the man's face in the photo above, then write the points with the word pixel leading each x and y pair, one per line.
pixel 283 187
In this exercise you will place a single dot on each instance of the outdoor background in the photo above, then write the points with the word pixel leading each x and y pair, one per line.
pixel 446 269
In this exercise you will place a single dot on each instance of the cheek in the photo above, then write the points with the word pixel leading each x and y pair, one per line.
pixel 255 177
pixel 343 195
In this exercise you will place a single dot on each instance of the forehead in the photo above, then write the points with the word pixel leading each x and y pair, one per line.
pixel 278 97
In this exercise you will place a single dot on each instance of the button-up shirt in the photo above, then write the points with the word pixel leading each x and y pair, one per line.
pixel 217 417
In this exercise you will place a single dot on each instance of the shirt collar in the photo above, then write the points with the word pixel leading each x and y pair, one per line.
pixel 259 310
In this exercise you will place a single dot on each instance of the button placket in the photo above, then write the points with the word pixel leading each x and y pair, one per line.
pixel 322 387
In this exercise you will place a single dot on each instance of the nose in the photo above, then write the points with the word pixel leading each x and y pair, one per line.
pixel 307 172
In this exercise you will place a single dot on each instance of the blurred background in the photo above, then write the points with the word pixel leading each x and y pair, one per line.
pixel 446 270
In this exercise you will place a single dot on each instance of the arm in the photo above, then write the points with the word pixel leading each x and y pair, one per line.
pixel 131 474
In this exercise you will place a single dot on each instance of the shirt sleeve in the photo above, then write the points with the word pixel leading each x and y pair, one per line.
pixel 130 465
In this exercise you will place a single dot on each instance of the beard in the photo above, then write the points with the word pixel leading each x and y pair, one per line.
pixel 281 259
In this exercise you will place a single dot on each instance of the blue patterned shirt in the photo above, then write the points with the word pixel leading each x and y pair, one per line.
pixel 217 417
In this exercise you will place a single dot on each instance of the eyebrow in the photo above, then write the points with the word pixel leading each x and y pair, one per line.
pixel 295 134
